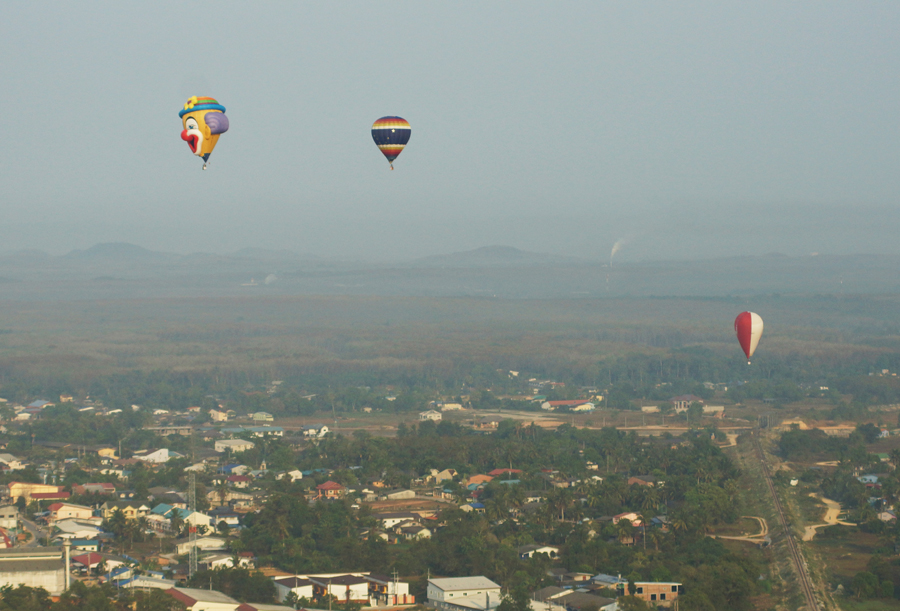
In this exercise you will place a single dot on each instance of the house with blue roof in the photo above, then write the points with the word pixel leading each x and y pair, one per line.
pixel 234 469
pixel 86 545
pixel 163 509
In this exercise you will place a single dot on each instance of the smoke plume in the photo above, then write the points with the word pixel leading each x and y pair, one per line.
pixel 616 248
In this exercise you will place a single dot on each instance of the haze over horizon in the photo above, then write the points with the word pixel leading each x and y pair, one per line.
pixel 692 131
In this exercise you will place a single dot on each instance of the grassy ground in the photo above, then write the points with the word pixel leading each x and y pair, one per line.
pixel 756 501
pixel 809 509
pixel 847 554
pixel 849 604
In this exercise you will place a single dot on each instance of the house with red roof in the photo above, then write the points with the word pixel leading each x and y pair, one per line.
pixel 88 561
pixel 98 488
pixel 631 516
pixel 238 481
pixel 50 496
pixel 28 490
pixel 330 490
pixel 497 472
pixel 65 511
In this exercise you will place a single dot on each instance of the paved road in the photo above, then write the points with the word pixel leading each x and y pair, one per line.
pixel 36 532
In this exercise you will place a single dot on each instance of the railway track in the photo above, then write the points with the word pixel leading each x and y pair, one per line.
pixel 812 604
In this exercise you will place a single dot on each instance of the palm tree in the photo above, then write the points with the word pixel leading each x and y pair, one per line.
pixel 679 524
pixel 655 536
pixel 222 490
pixel 625 529
pixel 651 499
pixel 176 522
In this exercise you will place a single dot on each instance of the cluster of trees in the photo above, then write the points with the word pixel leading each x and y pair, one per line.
pixel 81 597
pixel 700 491
pixel 881 579
pixel 349 380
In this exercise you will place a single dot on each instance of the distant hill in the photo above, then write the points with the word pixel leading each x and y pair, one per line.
pixel 119 251
pixel 27 254
pixel 496 256
pixel 265 254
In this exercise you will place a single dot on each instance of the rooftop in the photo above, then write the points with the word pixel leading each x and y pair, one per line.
pixel 450 584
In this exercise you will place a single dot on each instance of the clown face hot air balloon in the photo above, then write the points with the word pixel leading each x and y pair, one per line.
pixel 391 134
pixel 203 120
pixel 749 327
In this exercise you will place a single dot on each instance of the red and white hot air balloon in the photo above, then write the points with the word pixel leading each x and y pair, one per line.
pixel 749 327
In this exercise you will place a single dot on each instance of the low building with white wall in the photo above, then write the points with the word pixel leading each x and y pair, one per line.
pixel 36 567
pixel 463 594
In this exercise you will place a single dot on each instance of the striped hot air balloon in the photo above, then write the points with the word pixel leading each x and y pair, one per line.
pixel 391 134
pixel 749 327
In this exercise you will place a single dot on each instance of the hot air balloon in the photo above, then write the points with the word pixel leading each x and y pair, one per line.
pixel 391 134
pixel 749 327
pixel 203 120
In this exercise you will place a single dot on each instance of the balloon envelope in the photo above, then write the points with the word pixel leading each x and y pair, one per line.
pixel 203 120
pixel 391 134
pixel 749 327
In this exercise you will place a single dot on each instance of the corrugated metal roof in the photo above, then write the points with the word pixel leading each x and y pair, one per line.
pixel 464 583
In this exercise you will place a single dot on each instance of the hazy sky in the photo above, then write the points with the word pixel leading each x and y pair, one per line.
pixel 691 129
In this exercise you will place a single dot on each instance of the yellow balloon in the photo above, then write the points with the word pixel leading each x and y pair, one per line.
pixel 203 120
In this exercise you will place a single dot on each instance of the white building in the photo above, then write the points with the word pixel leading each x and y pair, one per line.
pixel 159 456
pixel 390 519
pixel 9 517
pixel 195 599
pixel 528 551
pixel 72 529
pixel 431 414
pixel 584 407
pixel 315 430
pixel 300 586
pixel 293 476
pixel 463 593
pixel 217 416
pixel 203 543
pixel 224 561
pixel 12 462
pixel 233 445
pixel 396 495
pixel 36 567
pixel 66 511
pixel 345 588
pixel 386 591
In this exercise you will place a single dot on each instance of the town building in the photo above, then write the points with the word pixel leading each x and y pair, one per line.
pixel 345 588
pixel 299 586
pixel 9 517
pixel 195 599
pixel 315 430
pixel 233 445
pixel 662 593
pixel 463 594
pixel 36 567
pixel 65 511
pixel 528 551
pixel 27 490
pixel 330 490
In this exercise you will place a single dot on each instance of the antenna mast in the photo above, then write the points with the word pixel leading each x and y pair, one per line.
pixel 192 528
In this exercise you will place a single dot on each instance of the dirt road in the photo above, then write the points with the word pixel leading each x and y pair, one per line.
pixel 831 517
